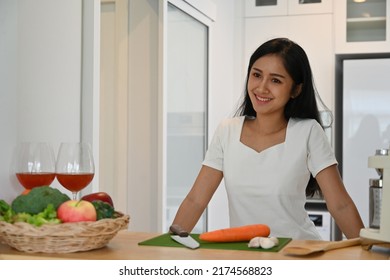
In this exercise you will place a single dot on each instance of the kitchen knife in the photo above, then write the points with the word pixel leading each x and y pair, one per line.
pixel 186 241
pixel 182 237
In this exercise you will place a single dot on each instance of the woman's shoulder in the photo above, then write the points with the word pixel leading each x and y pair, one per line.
pixel 232 122
pixel 304 123
pixel 230 125
pixel 308 128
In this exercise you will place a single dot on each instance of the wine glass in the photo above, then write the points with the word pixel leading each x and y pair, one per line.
pixel 75 167
pixel 34 164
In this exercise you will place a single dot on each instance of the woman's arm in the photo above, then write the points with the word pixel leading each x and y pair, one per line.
pixel 197 199
pixel 339 203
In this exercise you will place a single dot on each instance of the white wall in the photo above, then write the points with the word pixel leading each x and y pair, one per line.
pixel 8 96
pixel 49 55
pixel 40 68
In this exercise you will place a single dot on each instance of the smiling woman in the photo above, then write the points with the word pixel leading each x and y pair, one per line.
pixel 273 153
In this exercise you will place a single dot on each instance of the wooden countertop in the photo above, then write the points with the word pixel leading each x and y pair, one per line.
pixel 125 247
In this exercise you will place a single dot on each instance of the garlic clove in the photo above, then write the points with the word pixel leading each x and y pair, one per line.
pixel 275 240
pixel 254 242
pixel 266 243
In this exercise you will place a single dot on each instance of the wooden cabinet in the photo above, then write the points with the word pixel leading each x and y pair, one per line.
pixel 256 8
pixel 362 27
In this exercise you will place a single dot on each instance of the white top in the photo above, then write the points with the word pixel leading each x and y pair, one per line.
pixel 269 187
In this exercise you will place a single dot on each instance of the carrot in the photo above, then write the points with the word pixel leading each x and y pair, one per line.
pixel 236 234
pixel 25 191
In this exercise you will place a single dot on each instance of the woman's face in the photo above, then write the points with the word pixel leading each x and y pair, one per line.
pixel 269 85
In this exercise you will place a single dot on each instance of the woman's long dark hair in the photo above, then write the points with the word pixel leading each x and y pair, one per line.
pixel 297 65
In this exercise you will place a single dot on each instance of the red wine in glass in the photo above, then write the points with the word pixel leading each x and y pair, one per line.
pixel 34 164
pixel 32 180
pixel 75 182
pixel 75 166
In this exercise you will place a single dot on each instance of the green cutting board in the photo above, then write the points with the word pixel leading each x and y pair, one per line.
pixel 166 240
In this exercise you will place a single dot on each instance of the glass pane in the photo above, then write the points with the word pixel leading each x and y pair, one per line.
pixel 365 124
pixel 366 21
pixel 186 106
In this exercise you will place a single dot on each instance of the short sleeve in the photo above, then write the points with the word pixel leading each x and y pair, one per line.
pixel 320 153
pixel 214 154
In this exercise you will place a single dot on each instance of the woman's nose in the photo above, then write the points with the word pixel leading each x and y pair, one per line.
pixel 261 87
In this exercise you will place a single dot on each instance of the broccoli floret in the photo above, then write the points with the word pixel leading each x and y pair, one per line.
pixel 38 199
pixel 103 210
pixel 6 212
pixel 47 216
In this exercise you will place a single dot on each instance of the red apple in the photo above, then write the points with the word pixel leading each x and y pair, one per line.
pixel 76 211
pixel 102 196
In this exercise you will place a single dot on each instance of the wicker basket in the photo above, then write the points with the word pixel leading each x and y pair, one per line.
pixel 62 238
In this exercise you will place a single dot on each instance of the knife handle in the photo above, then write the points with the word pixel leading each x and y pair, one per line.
pixel 176 229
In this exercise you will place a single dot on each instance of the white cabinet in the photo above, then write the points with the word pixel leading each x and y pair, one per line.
pixel 255 8
pixel 362 27
pixel 258 8
pixel 303 7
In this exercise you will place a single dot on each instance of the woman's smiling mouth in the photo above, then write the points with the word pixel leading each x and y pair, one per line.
pixel 263 99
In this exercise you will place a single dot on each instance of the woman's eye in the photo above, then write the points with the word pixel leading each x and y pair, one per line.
pixel 255 74
pixel 277 81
